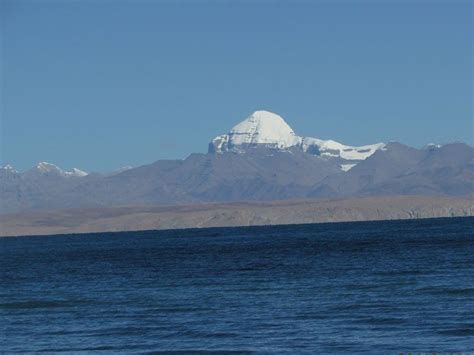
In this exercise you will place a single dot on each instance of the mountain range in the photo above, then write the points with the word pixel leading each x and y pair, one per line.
pixel 261 158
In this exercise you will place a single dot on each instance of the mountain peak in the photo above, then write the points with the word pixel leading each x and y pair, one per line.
pixel 263 127
pixel 8 168
pixel 48 168
pixel 267 129
pixel 264 115
pixel 76 172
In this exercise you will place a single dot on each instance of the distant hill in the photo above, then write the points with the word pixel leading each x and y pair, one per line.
pixel 260 159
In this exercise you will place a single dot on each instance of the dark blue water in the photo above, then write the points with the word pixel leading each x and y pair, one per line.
pixel 377 287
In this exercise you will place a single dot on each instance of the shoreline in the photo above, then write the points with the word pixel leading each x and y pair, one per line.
pixel 236 227
pixel 238 214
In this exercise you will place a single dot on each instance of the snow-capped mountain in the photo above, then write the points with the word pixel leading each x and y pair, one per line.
pixel 75 172
pixel 260 159
pixel 267 129
pixel 51 169
pixel 261 127
pixel 8 169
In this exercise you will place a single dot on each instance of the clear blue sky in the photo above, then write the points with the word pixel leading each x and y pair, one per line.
pixel 102 84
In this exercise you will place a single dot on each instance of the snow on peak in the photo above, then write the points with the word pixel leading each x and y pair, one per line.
pixel 47 168
pixel 261 127
pixel 432 146
pixel 75 172
pixel 124 168
pixel 8 168
pixel 330 148
pixel 270 130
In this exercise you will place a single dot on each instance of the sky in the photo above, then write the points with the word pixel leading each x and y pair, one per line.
pixel 103 84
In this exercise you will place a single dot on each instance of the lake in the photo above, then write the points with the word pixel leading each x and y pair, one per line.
pixel 365 287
